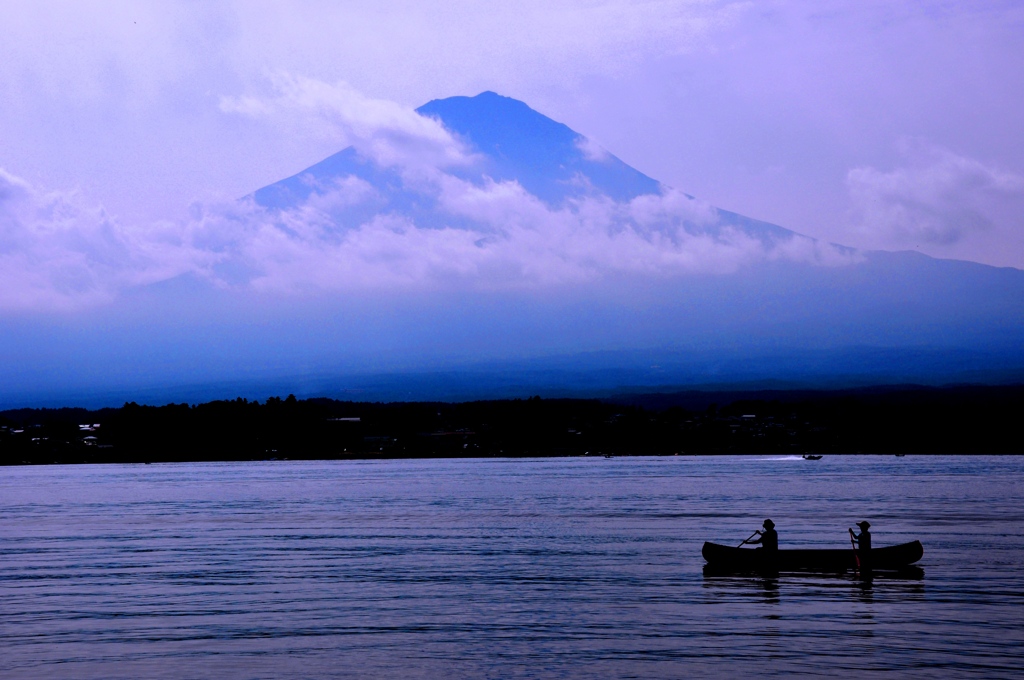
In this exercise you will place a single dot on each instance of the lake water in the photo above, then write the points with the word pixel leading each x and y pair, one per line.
pixel 561 568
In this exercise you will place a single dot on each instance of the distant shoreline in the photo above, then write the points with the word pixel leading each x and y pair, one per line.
pixel 965 419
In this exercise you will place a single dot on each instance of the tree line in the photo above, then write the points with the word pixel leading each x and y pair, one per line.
pixel 903 420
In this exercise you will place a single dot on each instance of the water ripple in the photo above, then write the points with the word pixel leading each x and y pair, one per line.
pixel 502 568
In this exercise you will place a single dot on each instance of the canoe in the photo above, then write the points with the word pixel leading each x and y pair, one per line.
pixel 748 559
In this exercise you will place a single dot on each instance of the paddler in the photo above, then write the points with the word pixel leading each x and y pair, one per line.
pixel 769 538
pixel 863 540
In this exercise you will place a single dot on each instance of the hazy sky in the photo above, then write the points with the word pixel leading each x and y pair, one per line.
pixel 874 124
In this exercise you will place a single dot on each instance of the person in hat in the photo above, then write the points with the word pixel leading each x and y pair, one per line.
pixel 863 540
pixel 769 538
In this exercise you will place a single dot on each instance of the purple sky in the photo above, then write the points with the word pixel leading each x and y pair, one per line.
pixel 873 124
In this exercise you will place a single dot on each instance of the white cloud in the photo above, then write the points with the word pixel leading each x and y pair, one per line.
pixel 385 132
pixel 671 206
pixel 505 238
pixel 592 151
pixel 938 198
pixel 57 252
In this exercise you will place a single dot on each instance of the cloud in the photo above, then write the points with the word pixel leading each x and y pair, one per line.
pixel 385 132
pixel 57 252
pixel 489 236
pixel 938 198
pixel 592 151
pixel 93 50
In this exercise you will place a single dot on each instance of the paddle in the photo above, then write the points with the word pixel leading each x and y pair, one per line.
pixel 749 537
pixel 856 557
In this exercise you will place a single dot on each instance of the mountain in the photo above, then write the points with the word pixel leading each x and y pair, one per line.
pixel 890 316
pixel 547 159
pixel 489 251
pixel 825 295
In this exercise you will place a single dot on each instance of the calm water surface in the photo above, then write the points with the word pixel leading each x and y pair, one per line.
pixel 502 568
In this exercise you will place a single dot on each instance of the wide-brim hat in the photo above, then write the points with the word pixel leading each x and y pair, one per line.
pixel 768 523
pixel 863 525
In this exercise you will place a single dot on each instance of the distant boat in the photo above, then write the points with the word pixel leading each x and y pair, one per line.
pixel 900 455
pixel 745 559
pixel 811 457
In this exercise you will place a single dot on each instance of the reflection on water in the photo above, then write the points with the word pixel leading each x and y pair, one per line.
pixel 497 568
pixel 908 573
pixel 904 583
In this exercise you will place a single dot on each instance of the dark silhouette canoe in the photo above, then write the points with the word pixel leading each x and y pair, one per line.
pixel 725 557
